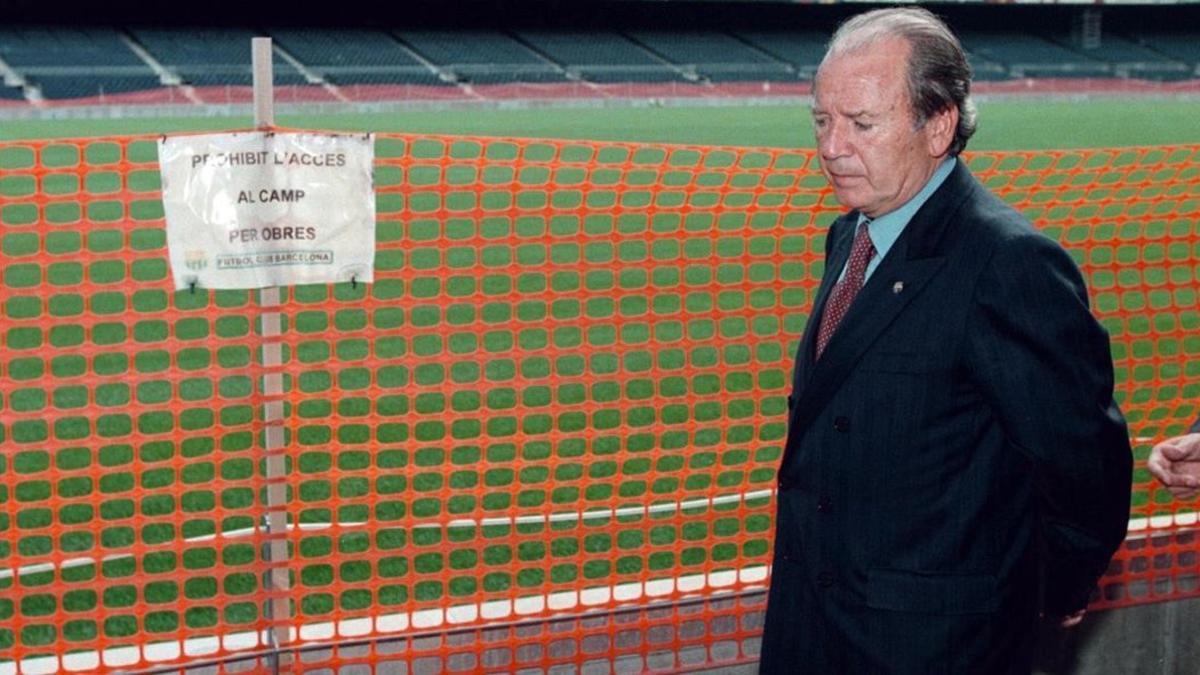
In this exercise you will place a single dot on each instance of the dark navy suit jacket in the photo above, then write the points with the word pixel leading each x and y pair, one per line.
pixel 955 462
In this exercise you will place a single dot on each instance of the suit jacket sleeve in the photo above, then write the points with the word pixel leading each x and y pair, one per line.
pixel 1196 426
pixel 1044 366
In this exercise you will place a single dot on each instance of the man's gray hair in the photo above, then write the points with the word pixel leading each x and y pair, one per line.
pixel 939 76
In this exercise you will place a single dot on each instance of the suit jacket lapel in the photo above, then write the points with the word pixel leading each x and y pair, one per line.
pixel 843 230
pixel 913 260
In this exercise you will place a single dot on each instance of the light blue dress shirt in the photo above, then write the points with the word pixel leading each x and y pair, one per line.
pixel 886 229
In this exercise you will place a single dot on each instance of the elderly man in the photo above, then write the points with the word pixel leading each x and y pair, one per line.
pixel 1175 462
pixel 955 464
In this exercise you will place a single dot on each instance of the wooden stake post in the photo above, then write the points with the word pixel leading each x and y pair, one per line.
pixel 272 391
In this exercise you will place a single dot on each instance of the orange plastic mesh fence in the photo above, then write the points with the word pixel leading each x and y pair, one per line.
pixel 545 437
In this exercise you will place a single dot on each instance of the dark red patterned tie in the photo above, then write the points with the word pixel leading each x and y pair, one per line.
pixel 844 291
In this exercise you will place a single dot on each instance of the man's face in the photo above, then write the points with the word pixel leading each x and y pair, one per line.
pixel 870 151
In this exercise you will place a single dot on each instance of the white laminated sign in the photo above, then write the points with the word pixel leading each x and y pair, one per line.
pixel 259 208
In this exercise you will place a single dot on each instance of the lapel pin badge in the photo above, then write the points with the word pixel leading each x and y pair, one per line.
pixel 897 287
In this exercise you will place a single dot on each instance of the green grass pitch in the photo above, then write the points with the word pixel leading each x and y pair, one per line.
pixel 1003 125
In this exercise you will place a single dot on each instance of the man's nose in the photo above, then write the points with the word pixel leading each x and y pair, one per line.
pixel 832 142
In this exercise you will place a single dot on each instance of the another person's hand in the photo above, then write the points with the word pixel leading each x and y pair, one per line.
pixel 1068 621
pixel 1073 619
pixel 1175 462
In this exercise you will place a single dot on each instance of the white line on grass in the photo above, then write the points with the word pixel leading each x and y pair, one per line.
pixel 458 523
pixel 497 610
pixel 548 606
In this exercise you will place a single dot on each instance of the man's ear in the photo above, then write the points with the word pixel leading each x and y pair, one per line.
pixel 939 130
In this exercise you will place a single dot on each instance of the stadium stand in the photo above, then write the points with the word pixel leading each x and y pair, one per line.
pixel 601 56
pixel 481 56
pixel 76 86
pixel 717 56
pixel 588 48
pixel 986 69
pixel 356 56
pixel 1185 48
pixel 64 63
pixel 1133 60
pixel 60 63
pixel 471 47
pixel 195 47
pixel 30 48
pixel 210 57
pixel 1031 55
pixel 407 76
pixel 347 48
pixel 801 49
pixel 1154 56
pixel 643 74
pixel 11 93
pixel 484 75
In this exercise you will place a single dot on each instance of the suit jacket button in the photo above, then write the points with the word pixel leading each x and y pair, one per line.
pixel 825 579
pixel 824 505
pixel 841 424
pixel 783 484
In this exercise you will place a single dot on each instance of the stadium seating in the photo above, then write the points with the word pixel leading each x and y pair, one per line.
pixel 701 47
pixel 612 74
pixel 71 63
pixel 83 86
pixel 589 48
pixel 407 76
pixel 802 49
pixel 601 56
pixel 1154 56
pixel 482 56
pixel 1185 48
pixel 34 48
pixel 493 76
pixel 985 69
pixel 473 47
pixel 716 56
pixel 1031 55
pixel 75 62
pixel 743 73
pixel 1133 60
pixel 229 76
pixel 350 56
pixel 319 49
pixel 197 46
pixel 210 57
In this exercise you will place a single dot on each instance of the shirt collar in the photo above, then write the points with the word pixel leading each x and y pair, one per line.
pixel 886 229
